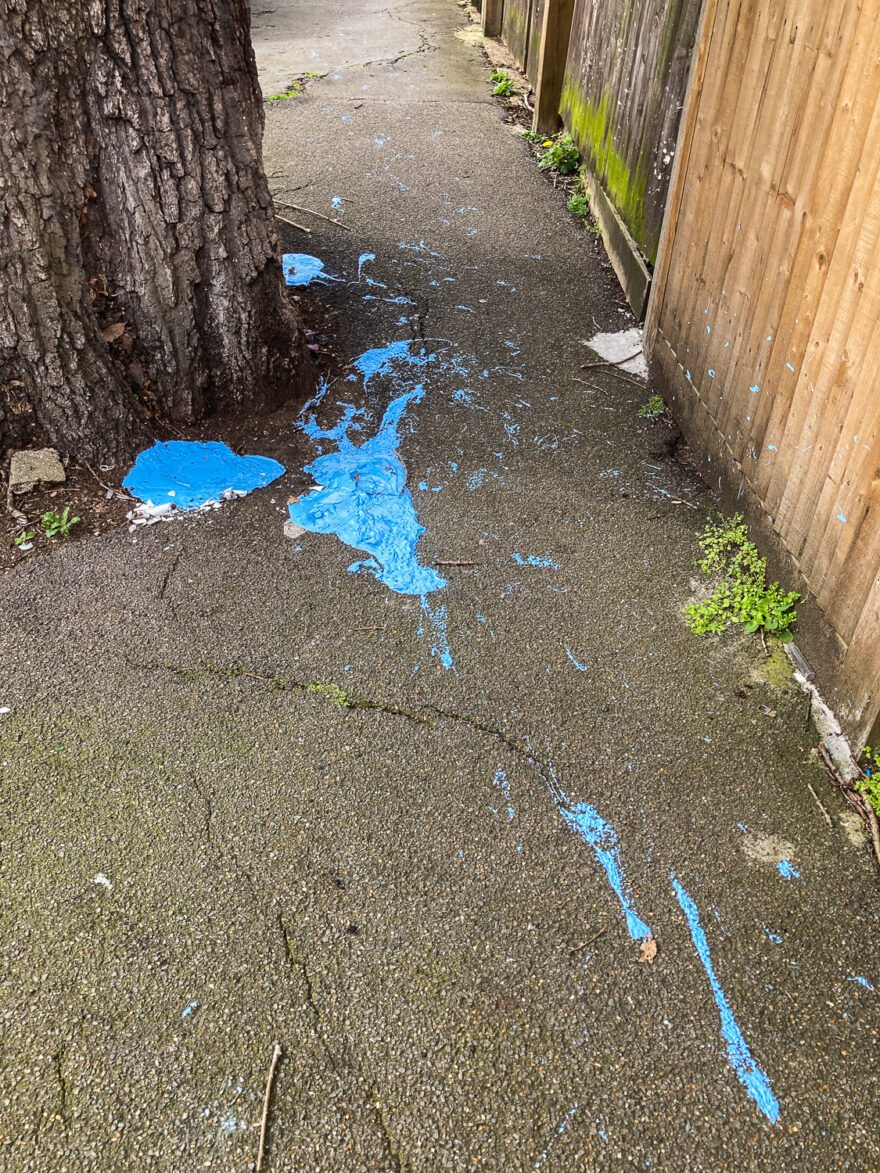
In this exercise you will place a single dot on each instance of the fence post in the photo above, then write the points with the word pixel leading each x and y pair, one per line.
pixel 555 33
pixel 491 22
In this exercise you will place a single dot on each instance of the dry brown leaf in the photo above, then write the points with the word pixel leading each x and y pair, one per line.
pixel 648 950
pixel 111 333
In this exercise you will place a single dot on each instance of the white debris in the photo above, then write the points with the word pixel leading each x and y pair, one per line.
pixel 292 530
pixel 625 344
pixel 102 880
pixel 5 709
pixel 146 513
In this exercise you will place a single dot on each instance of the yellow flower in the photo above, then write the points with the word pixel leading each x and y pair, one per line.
pixel 547 143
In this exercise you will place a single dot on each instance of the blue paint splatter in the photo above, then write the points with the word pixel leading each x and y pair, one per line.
pixel 556 1135
pixel 437 619
pixel 303 269
pixel 755 389
pixel 787 871
pixel 863 981
pixel 774 937
pixel 534 560
pixel 364 499
pixel 500 780
pixel 189 1009
pixel 336 201
pixel 580 667
pixel 187 473
pixel 840 517
pixel 748 1072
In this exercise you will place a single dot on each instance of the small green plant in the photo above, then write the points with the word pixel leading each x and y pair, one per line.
pixel 313 73
pixel 870 785
pixel 54 523
pixel 504 86
pixel 743 595
pixel 296 87
pixel 330 692
pixel 579 204
pixel 560 155
pixel 25 536
pixel 653 409
pixel 531 136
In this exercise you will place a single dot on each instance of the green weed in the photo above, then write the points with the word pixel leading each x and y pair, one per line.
pixel 579 204
pixel 560 155
pixel 54 523
pixel 743 595
pixel 25 536
pixel 296 87
pixel 870 786
pixel 653 409
pixel 331 692
pixel 504 86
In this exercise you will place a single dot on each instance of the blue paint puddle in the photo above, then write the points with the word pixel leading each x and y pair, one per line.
pixel 533 560
pixel 749 1074
pixel 787 871
pixel 186 473
pixel 580 667
pixel 364 499
pixel 303 269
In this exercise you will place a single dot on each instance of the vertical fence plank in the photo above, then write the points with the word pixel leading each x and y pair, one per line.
pixel 555 32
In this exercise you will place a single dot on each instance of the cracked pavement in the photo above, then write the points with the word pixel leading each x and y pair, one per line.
pixel 201 854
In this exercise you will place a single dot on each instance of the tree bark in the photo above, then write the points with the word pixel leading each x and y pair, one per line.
pixel 133 195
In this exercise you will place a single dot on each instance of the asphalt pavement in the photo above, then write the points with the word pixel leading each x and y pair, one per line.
pixel 252 795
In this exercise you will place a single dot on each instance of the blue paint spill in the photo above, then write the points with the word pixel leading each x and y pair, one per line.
pixel 863 981
pixel 748 1072
pixel 362 260
pixel 303 269
pixel 580 667
pixel 787 870
pixel 500 780
pixel 534 560
pixel 364 499
pixel 187 473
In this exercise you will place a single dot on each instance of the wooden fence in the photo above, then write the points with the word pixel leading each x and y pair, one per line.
pixel 765 311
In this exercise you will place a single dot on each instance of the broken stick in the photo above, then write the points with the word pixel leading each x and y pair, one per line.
pixel 276 1055
pixel 312 212
pixel 819 805
pixel 607 362
pixel 453 562
pixel 589 941
pixel 292 223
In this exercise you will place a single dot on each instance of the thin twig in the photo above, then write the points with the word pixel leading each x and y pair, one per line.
pixel 607 362
pixel 875 829
pixel 764 642
pixel 276 1055
pixel 312 212
pixel 589 941
pixel 584 383
pixel 453 562
pixel 819 805
pixel 292 223
pixel 809 710
pixel 115 492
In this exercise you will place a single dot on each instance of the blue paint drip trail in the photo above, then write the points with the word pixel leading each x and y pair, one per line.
pixel 748 1072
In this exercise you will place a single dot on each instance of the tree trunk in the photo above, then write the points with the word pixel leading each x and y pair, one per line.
pixel 133 195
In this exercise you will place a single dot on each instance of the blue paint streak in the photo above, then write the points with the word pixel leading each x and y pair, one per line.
pixel 437 619
pixel 580 667
pixel 534 560
pixel 189 1009
pixel 863 981
pixel 748 1072
pixel 187 473
pixel 303 269
pixel 601 836
pixel 787 871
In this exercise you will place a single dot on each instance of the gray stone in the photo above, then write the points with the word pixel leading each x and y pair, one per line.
pixel 33 467
pixel 292 530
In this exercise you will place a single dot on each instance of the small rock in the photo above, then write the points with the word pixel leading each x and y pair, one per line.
pixel 31 467
pixel 292 530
